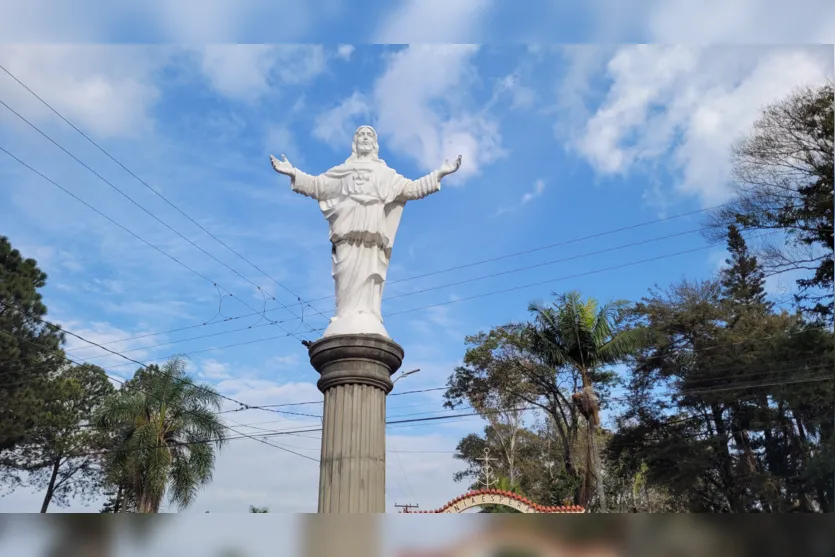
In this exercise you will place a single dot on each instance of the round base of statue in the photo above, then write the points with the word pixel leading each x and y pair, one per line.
pixel 356 323
pixel 355 377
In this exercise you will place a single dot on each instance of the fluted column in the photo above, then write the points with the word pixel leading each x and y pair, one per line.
pixel 355 379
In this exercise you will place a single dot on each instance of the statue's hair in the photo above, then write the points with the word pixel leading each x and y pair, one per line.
pixel 375 148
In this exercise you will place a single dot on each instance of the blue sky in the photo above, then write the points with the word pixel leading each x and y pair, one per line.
pixel 559 142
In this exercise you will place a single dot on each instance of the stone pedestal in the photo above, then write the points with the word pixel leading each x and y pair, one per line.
pixel 355 378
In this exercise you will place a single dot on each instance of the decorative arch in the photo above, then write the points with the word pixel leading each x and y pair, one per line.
pixel 482 497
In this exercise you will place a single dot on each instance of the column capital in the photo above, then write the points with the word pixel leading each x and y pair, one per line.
pixel 361 359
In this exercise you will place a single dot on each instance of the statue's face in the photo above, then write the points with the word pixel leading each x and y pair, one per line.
pixel 365 139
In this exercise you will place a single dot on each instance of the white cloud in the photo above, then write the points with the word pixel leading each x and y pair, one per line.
pixel 248 71
pixel 107 90
pixel 407 95
pixel 438 322
pixel 684 106
pixel 527 197
pixel 419 110
pixel 336 126
pixel 583 64
pixel 284 361
pixel 50 259
pixel 192 21
pixel 344 51
pixel 46 21
pixel 213 369
pixel 110 337
pixel 185 21
pixel 238 71
pixel 538 188
pixel 430 21
pixel 521 95
pixel 280 140
pixel 262 391
pixel 741 22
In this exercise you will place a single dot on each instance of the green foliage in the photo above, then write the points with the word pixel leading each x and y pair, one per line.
pixel 722 414
pixel 583 336
pixel 783 175
pixel 29 350
pixel 568 344
pixel 743 281
pixel 258 510
pixel 165 436
pixel 62 452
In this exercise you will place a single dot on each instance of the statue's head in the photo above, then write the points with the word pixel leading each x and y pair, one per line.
pixel 365 144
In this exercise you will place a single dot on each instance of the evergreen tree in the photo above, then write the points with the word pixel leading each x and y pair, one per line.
pixel 743 281
pixel 29 352
pixel 783 178
pixel 63 452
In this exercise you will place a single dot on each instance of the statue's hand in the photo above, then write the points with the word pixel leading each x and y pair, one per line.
pixel 449 167
pixel 282 166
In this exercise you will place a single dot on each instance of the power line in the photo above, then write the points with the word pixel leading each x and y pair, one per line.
pixel 233 430
pixel 270 408
pixel 204 277
pixel 549 281
pixel 545 264
pixel 523 408
pixel 685 392
pixel 141 364
pixel 392 423
pixel 244 406
pixel 542 248
pixel 745 385
pixel 416 391
pixel 450 269
pixel 476 296
pixel 144 183
pixel 122 381
pixel 673 350
pixel 151 347
pixel 510 271
pixel 600 234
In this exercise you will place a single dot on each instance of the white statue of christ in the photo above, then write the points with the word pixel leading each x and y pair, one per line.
pixel 363 201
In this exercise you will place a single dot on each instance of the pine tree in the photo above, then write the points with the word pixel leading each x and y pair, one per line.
pixel 743 281
pixel 29 350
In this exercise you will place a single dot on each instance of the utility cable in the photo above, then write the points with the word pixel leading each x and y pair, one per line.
pixel 148 186
pixel 135 235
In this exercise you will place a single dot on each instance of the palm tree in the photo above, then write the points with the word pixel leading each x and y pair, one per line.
pixel 583 336
pixel 166 435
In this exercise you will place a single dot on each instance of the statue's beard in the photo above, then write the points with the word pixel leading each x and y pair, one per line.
pixel 364 151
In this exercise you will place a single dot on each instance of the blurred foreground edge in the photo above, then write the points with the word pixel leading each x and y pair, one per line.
pixel 413 535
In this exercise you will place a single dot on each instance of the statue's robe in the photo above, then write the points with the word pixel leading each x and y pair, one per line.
pixel 362 202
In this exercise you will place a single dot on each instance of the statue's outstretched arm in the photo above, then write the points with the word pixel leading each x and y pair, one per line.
pixel 283 166
pixel 449 168
pixel 429 184
pixel 318 187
